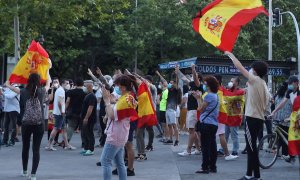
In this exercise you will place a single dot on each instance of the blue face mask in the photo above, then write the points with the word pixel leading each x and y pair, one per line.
pixel 117 90
pixel 169 86
pixel 204 88
pixel 291 87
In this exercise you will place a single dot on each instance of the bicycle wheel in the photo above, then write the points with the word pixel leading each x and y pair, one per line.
pixel 268 151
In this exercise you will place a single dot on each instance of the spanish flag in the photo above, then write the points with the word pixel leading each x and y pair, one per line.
pixel 223 111
pixel 219 23
pixel 234 104
pixel 146 111
pixel 294 130
pixel 35 60
pixel 126 108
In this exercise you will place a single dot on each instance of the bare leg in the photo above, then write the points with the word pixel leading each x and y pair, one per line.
pixel 224 144
pixel 130 154
pixel 52 136
pixel 170 131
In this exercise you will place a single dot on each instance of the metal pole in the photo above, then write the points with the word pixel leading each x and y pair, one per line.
pixel 17 38
pixel 270 56
pixel 298 38
pixel 135 53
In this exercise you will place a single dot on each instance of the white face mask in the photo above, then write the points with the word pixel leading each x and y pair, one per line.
pixel 95 88
pixel 68 87
pixel 85 89
pixel 159 86
pixel 55 85
pixel 230 84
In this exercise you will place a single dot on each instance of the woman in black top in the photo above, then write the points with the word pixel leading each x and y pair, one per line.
pixel 33 90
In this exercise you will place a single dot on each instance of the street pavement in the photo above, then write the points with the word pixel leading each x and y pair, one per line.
pixel 163 164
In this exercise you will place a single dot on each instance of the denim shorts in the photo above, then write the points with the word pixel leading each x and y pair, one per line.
pixel 133 126
pixel 59 122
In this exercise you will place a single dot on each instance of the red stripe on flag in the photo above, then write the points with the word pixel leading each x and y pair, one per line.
pixel 233 26
pixel 127 113
pixel 222 118
pixel 148 120
pixel 294 148
pixel 234 121
pixel 35 46
pixel 20 79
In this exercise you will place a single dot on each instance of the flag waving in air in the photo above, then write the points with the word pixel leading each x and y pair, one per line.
pixel 146 112
pixel 35 60
pixel 219 23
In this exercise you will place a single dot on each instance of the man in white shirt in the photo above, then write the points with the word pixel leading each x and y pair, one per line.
pixel 11 109
pixel 59 110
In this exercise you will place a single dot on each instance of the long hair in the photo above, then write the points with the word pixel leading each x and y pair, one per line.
pixel 33 83
pixel 127 81
pixel 212 83
pixel 282 89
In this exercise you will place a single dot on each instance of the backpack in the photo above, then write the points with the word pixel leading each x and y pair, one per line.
pixel 33 111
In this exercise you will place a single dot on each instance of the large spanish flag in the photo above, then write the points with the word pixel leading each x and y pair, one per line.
pixel 234 104
pixel 126 108
pixel 146 111
pixel 294 130
pixel 219 23
pixel 35 60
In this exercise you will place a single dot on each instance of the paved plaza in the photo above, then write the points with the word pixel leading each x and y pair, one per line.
pixel 163 164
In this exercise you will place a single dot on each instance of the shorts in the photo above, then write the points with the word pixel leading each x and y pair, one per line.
pixel 178 112
pixel 59 122
pixel 162 116
pixel 221 129
pixel 191 119
pixel 171 116
pixel 133 126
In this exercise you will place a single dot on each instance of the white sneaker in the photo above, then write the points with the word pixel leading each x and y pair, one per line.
pixel 24 174
pixel 196 152
pixel 184 153
pixel 70 147
pixel 50 148
pixel 230 157
pixel 32 177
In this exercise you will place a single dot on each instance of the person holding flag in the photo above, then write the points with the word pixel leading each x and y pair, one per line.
pixel 256 104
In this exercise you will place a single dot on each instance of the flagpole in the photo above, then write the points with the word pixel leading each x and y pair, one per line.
pixel 270 53
pixel 135 52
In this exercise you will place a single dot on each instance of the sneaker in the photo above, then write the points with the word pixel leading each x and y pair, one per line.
pixel 70 147
pixel 244 151
pixel 55 144
pixel 130 172
pixel 202 172
pixel 10 143
pixel 176 143
pixel 50 148
pixel 289 159
pixel 32 177
pixel 230 157
pixel 141 157
pixel 24 174
pixel 184 153
pixel 83 152
pixel 196 152
pixel 115 172
pixel 168 141
pixel 88 153
pixel 149 148
pixel 98 164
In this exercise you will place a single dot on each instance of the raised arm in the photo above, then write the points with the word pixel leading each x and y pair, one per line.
pixel 162 79
pixel 180 75
pixel 48 82
pixel 238 64
pixel 13 88
pixel 108 107
pixel 280 106
pixel 195 76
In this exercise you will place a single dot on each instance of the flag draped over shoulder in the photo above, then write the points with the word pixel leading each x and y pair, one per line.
pixel 126 108
pixel 294 130
pixel 219 23
pixel 234 104
pixel 35 60
pixel 146 111
pixel 222 118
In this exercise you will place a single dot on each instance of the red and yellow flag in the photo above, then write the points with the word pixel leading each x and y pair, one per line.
pixel 35 60
pixel 146 111
pixel 222 118
pixel 126 108
pixel 294 130
pixel 234 104
pixel 219 23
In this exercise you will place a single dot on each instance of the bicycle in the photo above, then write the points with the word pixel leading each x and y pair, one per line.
pixel 268 147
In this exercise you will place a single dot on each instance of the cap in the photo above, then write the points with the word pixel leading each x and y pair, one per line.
pixel 293 79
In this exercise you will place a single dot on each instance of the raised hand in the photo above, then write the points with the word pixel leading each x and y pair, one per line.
pixel 90 73
pixel 98 71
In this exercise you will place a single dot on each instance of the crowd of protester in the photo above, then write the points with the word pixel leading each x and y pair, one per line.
pixel 186 104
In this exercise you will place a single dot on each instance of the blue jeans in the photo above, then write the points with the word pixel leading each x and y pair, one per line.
pixel 234 137
pixel 110 153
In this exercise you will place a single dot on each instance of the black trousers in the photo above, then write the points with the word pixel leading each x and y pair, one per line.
pixel 253 128
pixel 103 135
pixel 209 146
pixel 37 131
pixel 10 118
pixel 88 135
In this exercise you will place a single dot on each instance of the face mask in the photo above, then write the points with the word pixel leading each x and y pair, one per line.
pixel 251 71
pixel 204 88
pixel 55 85
pixel 68 87
pixel 117 90
pixel 159 86
pixel 230 84
pixel 85 89
pixel 290 87
pixel 169 86
pixel 96 88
